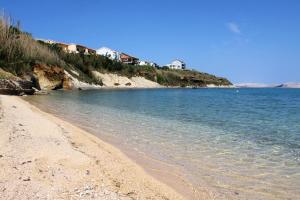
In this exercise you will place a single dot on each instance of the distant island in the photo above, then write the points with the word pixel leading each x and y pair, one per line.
pixel 262 85
pixel 29 65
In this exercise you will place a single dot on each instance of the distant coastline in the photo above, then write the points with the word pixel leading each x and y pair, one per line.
pixel 262 85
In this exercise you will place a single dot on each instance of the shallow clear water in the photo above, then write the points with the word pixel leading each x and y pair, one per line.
pixel 239 144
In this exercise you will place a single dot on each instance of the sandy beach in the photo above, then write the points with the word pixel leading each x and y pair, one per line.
pixel 44 157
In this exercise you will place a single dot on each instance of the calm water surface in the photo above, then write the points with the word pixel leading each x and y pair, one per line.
pixel 239 144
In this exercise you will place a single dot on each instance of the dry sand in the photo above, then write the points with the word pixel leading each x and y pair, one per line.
pixel 44 157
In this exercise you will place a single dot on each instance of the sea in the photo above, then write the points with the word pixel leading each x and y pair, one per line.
pixel 228 143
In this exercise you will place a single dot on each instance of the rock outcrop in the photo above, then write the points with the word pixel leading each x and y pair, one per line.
pixel 49 77
pixel 42 79
pixel 16 87
pixel 52 78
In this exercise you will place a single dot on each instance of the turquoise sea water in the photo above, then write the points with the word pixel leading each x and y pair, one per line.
pixel 236 143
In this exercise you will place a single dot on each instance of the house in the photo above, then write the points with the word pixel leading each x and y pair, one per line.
pixel 63 46
pixel 176 64
pixel 143 63
pixel 127 59
pixel 90 51
pixel 46 41
pixel 111 54
pixel 72 48
pixel 75 48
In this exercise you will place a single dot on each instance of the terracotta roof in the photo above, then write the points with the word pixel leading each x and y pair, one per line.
pixel 124 54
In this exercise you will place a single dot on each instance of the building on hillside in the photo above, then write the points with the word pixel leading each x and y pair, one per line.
pixel 72 48
pixel 90 51
pixel 63 46
pixel 146 63
pixel 127 59
pixel 143 63
pixel 107 52
pixel 176 64
pixel 75 48
pixel 46 41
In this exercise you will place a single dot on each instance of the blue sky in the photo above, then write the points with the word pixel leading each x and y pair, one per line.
pixel 245 41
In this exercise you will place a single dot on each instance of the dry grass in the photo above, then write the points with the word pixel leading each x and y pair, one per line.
pixel 17 47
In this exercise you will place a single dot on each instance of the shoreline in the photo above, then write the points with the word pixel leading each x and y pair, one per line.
pixel 169 173
pixel 165 172
pixel 45 156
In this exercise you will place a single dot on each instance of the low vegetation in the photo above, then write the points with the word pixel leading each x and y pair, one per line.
pixel 186 78
pixel 19 53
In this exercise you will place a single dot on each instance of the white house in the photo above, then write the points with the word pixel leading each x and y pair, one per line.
pixel 72 48
pixel 177 64
pixel 143 63
pixel 111 54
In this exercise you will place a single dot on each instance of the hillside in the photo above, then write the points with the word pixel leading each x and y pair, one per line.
pixel 35 65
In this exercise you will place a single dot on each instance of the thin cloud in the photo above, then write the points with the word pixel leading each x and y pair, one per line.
pixel 233 27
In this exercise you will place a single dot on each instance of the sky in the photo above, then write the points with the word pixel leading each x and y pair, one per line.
pixel 244 41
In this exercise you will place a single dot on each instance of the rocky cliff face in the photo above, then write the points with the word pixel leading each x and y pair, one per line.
pixel 43 77
pixel 48 78
pixel 52 77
